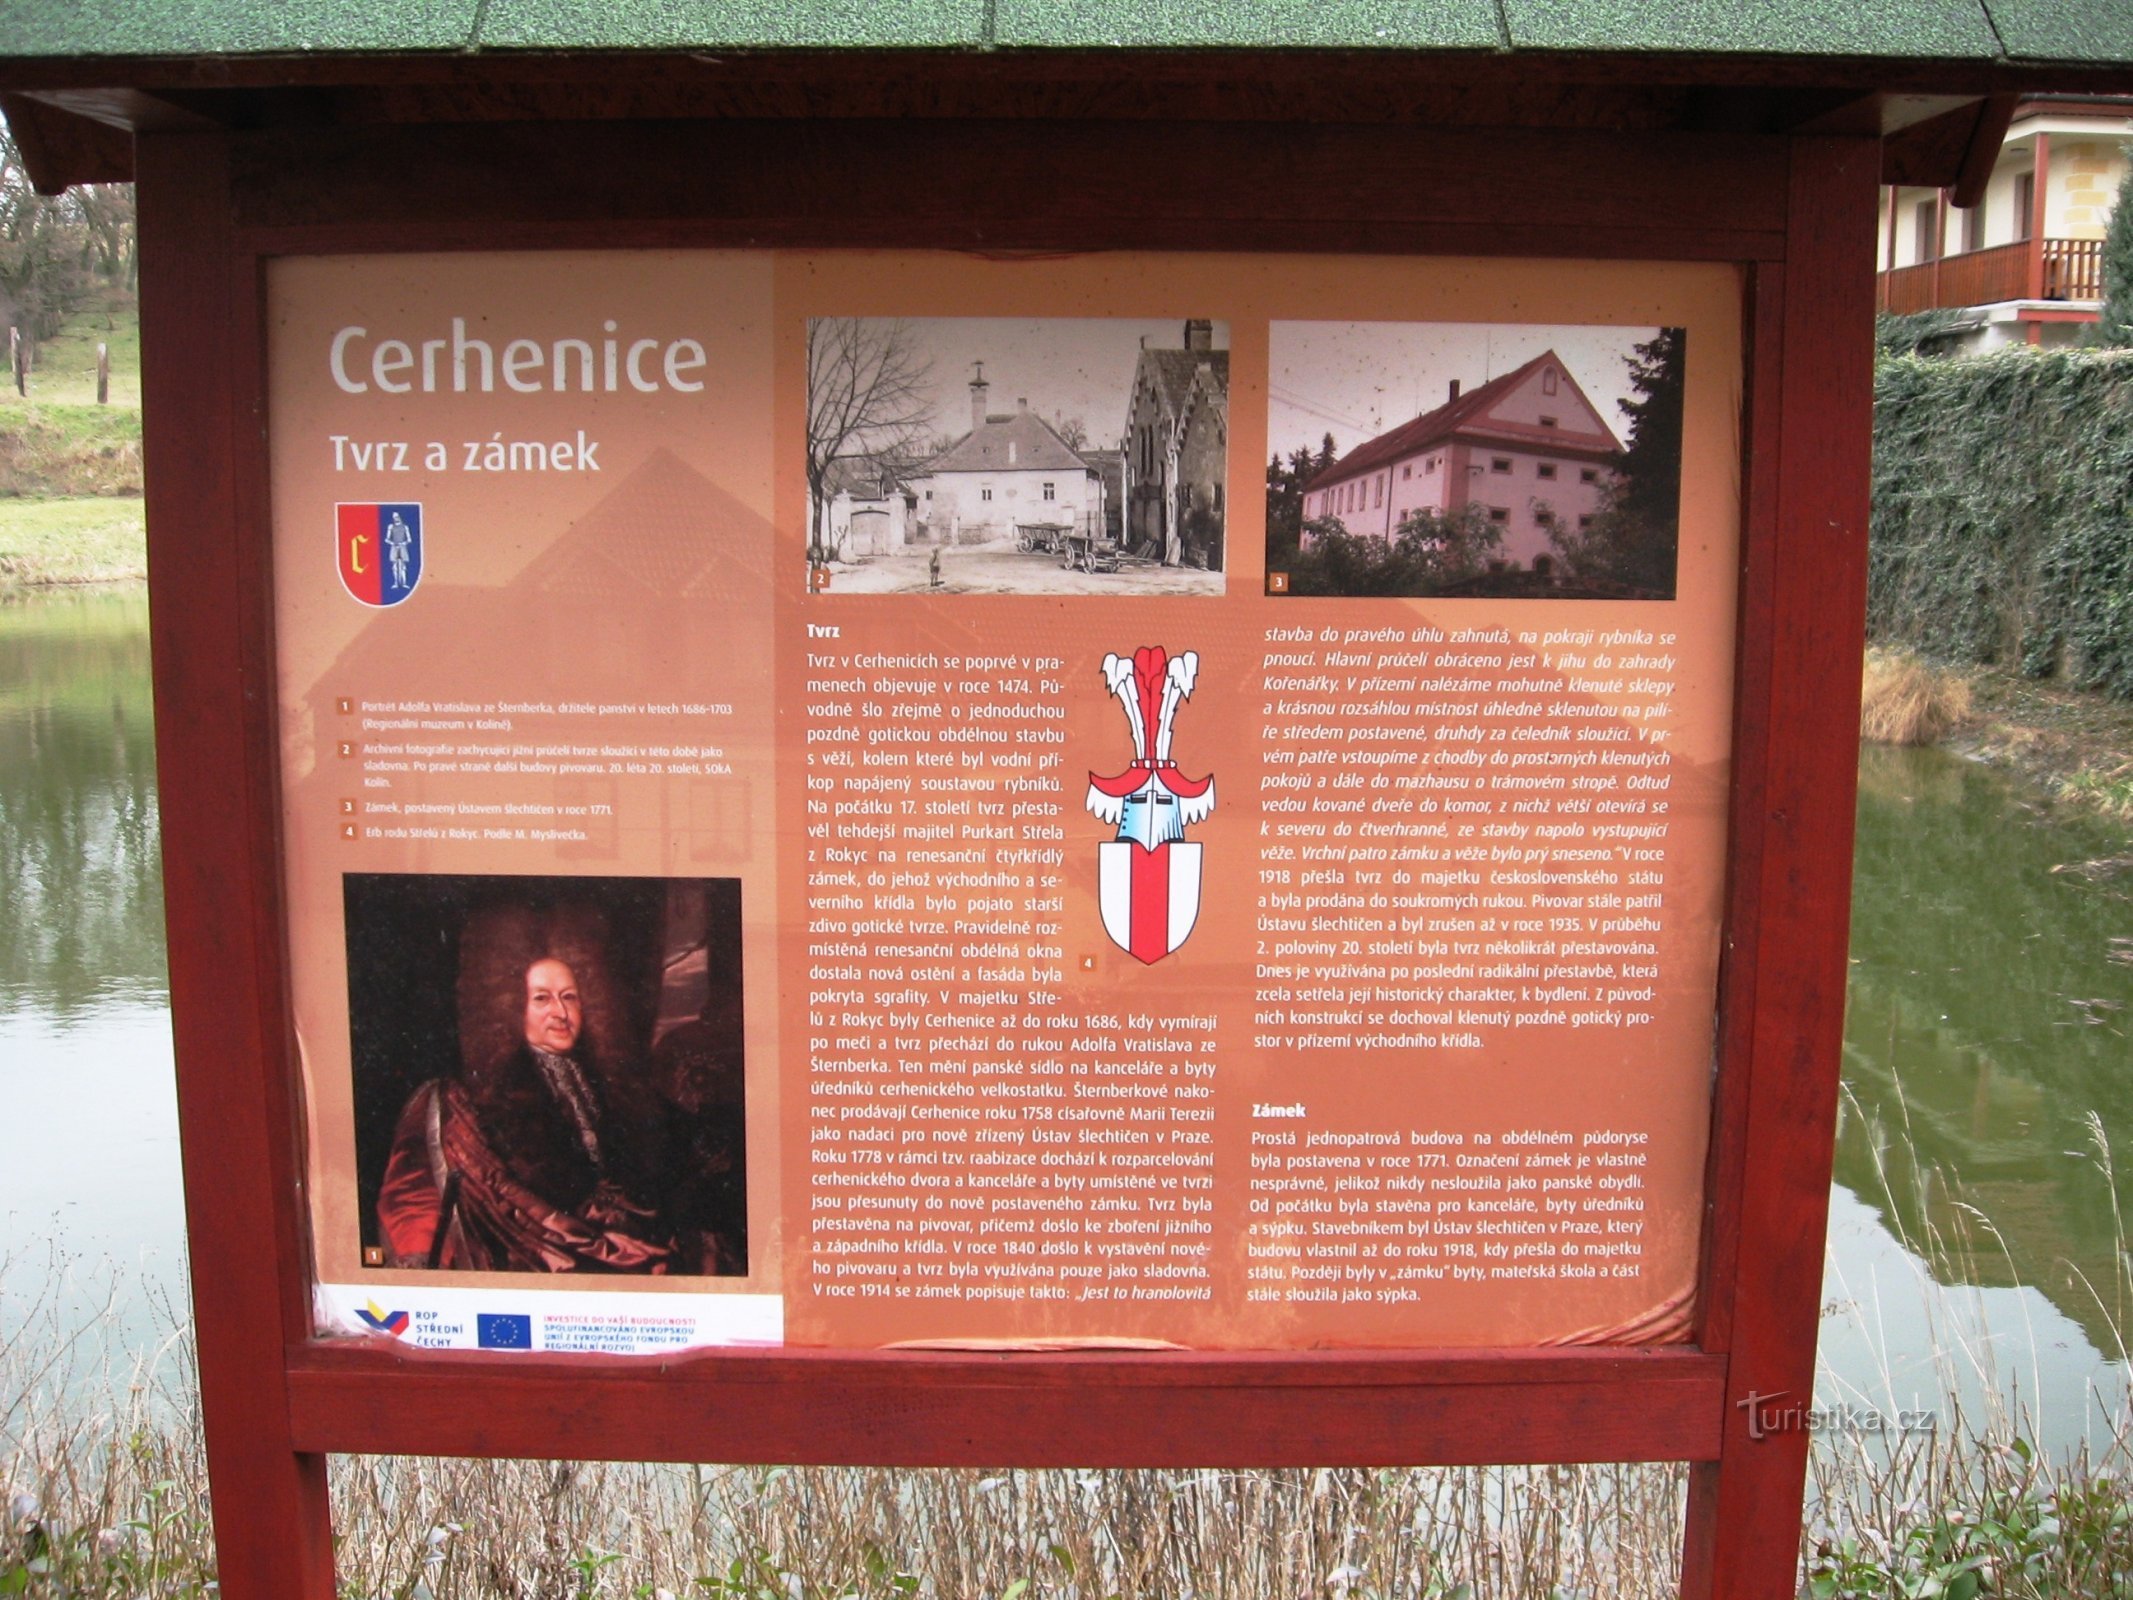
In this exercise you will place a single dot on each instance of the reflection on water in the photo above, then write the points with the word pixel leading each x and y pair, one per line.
pixel 81 875
pixel 1988 1075
pixel 1987 1023
pixel 89 1151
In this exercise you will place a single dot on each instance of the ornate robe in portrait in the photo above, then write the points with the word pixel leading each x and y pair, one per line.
pixel 517 1169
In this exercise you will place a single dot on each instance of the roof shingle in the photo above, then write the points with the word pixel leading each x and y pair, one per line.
pixel 1021 442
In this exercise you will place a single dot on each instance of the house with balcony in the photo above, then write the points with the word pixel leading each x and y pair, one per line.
pixel 2025 264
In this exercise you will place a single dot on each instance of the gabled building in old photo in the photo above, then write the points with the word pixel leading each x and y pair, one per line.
pixel 1010 471
pixel 1177 451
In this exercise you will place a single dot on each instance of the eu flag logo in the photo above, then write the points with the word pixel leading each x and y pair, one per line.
pixel 379 548
pixel 505 1331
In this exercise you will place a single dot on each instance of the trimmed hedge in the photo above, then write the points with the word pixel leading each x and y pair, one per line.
pixel 2003 512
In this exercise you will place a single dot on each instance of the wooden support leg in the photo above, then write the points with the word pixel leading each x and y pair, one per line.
pixel 1803 631
pixel 214 753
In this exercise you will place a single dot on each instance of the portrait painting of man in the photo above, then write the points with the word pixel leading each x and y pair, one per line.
pixel 549 1073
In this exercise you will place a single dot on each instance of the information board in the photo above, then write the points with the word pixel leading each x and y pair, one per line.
pixel 859 798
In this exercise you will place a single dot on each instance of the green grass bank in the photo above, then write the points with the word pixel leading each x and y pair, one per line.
pixel 70 469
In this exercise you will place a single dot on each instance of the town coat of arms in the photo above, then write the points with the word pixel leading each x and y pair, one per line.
pixel 1148 878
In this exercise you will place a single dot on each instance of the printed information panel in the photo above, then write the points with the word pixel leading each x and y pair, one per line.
pixel 865 798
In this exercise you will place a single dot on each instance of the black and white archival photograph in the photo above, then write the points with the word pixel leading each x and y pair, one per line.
pixel 1474 459
pixel 976 455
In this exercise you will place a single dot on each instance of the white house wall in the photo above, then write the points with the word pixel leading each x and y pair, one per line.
pixel 958 502
pixel 1521 493
pixel 1524 495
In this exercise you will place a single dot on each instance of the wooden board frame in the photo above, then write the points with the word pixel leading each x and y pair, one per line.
pixel 1796 214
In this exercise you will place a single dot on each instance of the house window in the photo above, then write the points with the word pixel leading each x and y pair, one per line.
pixel 1548 422
pixel 1974 227
pixel 1548 380
pixel 1499 513
pixel 2025 204
pixel 1588 474
pixel 1925 229
pixel 1048 494
pixel 1545 470
pixel 1379 485
pixel 984 494
pixel 1429 466
pixel 1499 463
pixel 1407 472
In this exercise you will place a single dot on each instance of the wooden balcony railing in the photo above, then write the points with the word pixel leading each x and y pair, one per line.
pixel 2031 269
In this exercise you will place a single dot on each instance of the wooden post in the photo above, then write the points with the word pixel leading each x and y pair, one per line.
pixel 1940 239
pixel 103 374
pixel 2039 177
pixel 237 1122
pixel 1802 636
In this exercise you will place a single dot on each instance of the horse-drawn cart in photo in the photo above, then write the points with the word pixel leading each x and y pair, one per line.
pixel 1091 552
pixel 1045 538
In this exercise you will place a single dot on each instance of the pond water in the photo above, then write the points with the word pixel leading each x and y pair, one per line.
pixel 1977 1257
pixel 1976 1232
pixel 89 1183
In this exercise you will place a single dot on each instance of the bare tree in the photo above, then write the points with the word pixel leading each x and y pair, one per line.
pixel 53 247
pixel 867 398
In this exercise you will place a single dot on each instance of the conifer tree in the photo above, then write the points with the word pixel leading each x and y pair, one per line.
pixel 2114 325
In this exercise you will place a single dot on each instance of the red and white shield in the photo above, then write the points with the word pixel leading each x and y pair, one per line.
pixel 1149 898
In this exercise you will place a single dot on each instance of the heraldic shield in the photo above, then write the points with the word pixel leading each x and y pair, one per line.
pixel 1148 878
pixel 379 548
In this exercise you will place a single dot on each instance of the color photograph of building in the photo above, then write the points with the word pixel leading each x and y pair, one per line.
pixel 1426 458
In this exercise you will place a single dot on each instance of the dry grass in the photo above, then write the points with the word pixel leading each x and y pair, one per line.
pixel 109 1502
pixel 2075 744
pixel 69 451
pixel 1967 1507
pixel 2106 786
pixel 549 1531
pixel 1904 701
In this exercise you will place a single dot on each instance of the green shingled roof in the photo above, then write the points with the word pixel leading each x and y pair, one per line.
pixel 729 24
pixel 230 27
pixel 2073 31
pixel 1189 24
pixel 1952 28
pixel 2053 30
